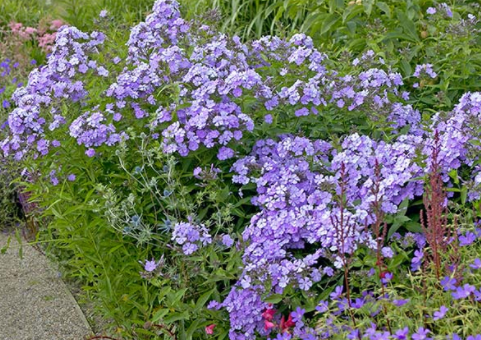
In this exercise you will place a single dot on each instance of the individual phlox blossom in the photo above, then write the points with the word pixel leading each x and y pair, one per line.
pixel 227 241
pixel 190 236
pixel 150 265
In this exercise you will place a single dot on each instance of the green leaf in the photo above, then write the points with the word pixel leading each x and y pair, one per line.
pixel 158 315
pixel 4 249
pixel 367 4
pixel 385 8
pixel 414 227
pixel 406 67
pixel 203 299
pixel 192 328
pixel 408 26
pixel 351 12
pixel 173 317
pixel 274 298
pixel 464 194
pixel 329 22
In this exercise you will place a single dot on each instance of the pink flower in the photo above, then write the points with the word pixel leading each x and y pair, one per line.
pixel 56 24
pixel 268 325
pixel 46 41
pixel 285 325
pixel 268 314
pixel 15 26
pixel 30 30
pixel 210 329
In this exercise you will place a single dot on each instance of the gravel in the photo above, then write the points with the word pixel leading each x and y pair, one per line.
pixel 35 304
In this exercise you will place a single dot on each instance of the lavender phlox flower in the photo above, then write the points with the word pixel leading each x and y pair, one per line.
pixel 190 236
pixel 150 266
pixel 431 10
pixel 387 278
pixel 227 240
pixel 477 295
pixel 358 303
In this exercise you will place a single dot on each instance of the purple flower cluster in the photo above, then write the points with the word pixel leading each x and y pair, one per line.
pixel 298 205
pixel 190 236
pixel 47 88
pixel 91 130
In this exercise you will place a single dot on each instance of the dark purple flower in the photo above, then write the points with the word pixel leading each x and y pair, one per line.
pixel 400 302
pixel 322 307
pixel 474 337
pixel 421 334
pixel 463 292
pixel 467 239
pixel 298 314
pixel 448 283
pixel 476 264
pixel 336 294
pixel 441 313
pixel 401 334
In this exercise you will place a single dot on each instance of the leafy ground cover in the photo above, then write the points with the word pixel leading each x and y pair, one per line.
pixel 202 184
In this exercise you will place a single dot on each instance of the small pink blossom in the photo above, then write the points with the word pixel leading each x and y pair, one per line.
pixel 209 329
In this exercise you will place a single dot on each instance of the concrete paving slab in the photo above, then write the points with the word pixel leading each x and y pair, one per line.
pixel 35 303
